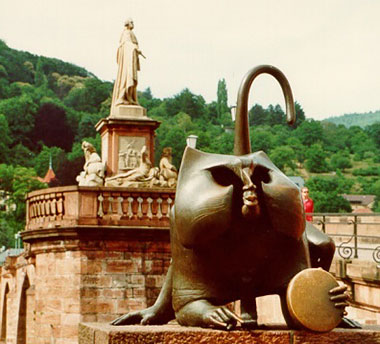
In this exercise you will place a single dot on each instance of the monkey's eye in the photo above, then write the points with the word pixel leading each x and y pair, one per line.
pixel 260 174
pixel 224 176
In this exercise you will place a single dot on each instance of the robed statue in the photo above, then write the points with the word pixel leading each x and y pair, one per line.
pixel 125 88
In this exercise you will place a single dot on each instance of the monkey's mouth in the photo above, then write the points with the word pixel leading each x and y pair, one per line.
pixel 250 196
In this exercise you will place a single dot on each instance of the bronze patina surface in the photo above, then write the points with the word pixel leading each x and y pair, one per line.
pixel 238 231
pixel 309 301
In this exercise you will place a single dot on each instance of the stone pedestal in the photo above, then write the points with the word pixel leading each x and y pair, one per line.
pixel 127 127
pixel 92 333
pixel 128 111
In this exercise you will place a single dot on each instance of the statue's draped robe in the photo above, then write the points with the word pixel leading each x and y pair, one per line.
pixel 128 65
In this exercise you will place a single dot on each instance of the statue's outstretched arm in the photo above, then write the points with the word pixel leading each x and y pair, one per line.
pixel 160 313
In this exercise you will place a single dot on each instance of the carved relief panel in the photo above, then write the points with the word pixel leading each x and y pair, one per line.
pixel 129 152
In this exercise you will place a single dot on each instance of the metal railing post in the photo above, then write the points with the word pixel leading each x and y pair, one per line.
pixel 355 236
pixel 324 224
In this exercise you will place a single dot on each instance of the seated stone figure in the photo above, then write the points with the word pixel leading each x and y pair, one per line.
pixel 237 232
pixel 93 170
pixel 168 173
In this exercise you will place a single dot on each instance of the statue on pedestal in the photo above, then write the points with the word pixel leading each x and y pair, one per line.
pixel 93 170
pixel 125 88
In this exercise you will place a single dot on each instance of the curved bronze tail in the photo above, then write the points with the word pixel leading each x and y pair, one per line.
pixel 242 143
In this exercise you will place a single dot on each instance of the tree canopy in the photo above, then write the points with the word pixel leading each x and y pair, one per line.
pixel 47 107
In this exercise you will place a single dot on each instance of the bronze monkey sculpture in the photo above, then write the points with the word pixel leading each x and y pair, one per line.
pixel 238 231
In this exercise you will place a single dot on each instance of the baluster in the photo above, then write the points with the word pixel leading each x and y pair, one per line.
pixel 53 210
pixel 120 205
pixel 110 201
pixel 139 211
pixel 32 211
pixel 40 209
pixel 170 201
pixel 42 204
pixel 100 209
pixel 53 206
pixel 159 211
pixel 150 214
pixel 47 207
pixel 130 211
pixel 60 208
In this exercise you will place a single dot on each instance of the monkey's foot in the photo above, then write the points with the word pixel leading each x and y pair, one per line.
pixel 148 316
pixel 202 313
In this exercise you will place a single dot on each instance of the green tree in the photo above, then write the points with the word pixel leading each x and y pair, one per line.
pixel 281 134
pixel 21 155
pixel 335 137
pixel 52 127
pixel 330 202
pixel 300 115
pixel 86 126
pixel 186 102
pixel 341 160
pixel 309 132
pixel 222 98
pixel 270 116
pixel 316 159
pixel 90 97
pixel 283 156
pixel 376 192
pixel 184 122
pixel 298 148
pixel 40 77
pixel 374 132
pixel 19 112
pixel 257 115
pixel 159 112
pixel 4 88
pixel 15 183
pixel 361 143
pixel 261 140
pixel 5 139
pixel 326 193
pixel 222 144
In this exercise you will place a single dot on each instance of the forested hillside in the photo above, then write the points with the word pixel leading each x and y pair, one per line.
pixel 360 119
pixel 47 107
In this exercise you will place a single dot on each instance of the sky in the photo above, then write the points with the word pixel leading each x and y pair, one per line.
pixel 328 49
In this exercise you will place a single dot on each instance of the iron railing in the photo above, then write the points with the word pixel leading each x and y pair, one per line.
pixel 356 235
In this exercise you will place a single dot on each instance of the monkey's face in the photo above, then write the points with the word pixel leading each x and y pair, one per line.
pixel 214 191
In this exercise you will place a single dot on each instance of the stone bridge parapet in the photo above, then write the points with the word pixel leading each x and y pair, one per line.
pixel 75 206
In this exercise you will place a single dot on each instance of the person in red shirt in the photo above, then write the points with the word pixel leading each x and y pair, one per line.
pixel 308 203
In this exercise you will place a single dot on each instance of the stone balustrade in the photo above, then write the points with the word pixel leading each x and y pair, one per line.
pixel 98 206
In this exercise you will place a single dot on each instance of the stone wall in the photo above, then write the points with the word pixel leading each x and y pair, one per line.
pixel 56 285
